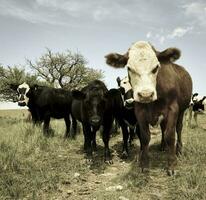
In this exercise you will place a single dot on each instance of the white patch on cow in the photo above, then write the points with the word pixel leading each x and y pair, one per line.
pixel 129 101
pixel 25 98
pixel 142 65
pixel 196 98
pixel 124 83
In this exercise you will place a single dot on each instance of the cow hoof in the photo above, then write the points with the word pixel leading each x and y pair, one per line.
pixel 109 162
pixel 178 153
pixel 124 155
pixel 89 160
pixel 145 170
pixel 171 172
pixel 178 150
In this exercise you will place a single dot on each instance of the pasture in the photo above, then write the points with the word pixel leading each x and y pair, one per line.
pixel 35 167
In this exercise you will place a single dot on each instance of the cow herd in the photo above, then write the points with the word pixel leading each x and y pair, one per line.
pixel 156 90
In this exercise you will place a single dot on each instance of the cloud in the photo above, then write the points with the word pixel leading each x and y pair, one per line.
pixel 179 32
pixel 29 14
pixel 164 35
pixel 148 35
pixel 196 12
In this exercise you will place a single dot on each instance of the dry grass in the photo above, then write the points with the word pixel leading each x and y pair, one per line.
pixel 35 167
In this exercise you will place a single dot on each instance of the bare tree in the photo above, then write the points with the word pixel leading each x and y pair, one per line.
pixel 68 69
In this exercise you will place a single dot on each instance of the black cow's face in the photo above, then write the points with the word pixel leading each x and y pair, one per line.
pixel 93 104
pixel 23 90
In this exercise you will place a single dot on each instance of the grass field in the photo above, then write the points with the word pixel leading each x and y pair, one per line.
pixel 35 167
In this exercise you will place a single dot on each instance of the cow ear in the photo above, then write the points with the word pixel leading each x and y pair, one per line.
pixel 122 90
pixel 35 87
pixel 112 93
pixel 116 60
pixel 118 81
pixel 169 55
pixel 76 94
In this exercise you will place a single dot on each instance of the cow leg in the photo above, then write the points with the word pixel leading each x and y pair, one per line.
pixel 67 123
pixel 179 133
pixel 170 138
pixel 137 131
pixel 125 133
pixel 131 136
pixel 163 127
pixel 195 118
pixel 106 136
pixel 190 116
pixel 87 141
pixel 74 127
pixel 46 125
pixel 144 146
pixel 94 144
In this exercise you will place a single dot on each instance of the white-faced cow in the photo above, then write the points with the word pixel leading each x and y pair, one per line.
pixel 44 103
pixel 160 88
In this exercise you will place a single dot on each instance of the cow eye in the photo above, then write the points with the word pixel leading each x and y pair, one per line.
pixel 155 69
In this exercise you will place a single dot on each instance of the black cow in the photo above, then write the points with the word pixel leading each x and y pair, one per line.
pixel 94 106
pixel 44 103
pixel 127 112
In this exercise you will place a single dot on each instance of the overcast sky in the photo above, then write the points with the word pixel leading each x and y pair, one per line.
pixel 95 28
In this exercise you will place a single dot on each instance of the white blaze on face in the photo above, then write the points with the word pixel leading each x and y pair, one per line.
pixel 125 84
pixel 127 87
pixel 22 90
pixel 143 67
pixel 196 98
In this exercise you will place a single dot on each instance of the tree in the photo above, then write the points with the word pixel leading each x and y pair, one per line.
pixel 67 69
pixel 15 75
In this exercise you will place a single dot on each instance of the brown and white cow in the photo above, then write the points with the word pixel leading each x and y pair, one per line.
pixel 161 88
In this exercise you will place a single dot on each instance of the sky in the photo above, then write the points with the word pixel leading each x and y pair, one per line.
pixel 96 28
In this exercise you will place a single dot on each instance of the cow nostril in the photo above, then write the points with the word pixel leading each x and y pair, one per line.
pixel 152 94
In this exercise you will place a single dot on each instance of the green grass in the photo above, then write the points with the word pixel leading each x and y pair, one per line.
pixel 35 167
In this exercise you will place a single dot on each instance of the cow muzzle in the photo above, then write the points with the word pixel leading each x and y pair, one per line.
pixel 21 103
pixel 146 96
pixel 129 103
pixel 95 121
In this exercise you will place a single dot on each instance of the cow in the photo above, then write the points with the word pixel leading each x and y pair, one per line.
pixel 45 102
pixel 197 106
pixel 161 89
pixel 94 106
pixel 128 107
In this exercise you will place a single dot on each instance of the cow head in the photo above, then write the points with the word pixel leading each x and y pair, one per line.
pixel 94 103
pixel 23 91
pixel 143 63
pixel 126 91
pixel 195 97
